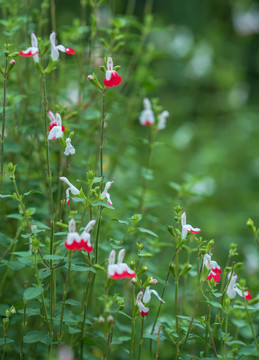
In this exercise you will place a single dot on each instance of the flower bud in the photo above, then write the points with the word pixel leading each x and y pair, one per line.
pixel 93 79
pixel 101 319
pixel 10 66
pixel 143 269
pixel 134 280
pixel 251 226
pixel 185 270
pixel 110 318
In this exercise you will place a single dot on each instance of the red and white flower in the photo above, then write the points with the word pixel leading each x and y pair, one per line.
pixel 215 269
pixel 56 128
pixel 120 270
pixel 77 242
pixel 69 150
pixel 162 120
pixel 144 298
pixel 105 193
pixel 56 48
pixel 186 227
pixel 232 289
pixel 33 50
pixel 142 308
pixel 147 116
pixel 71 188
pixel 111 76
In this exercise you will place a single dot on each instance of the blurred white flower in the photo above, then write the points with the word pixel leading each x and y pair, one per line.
pixel 232 289
pixel 162 120
pixel 55 49
pixel 69 150
pixel 105 193
pixel 147 116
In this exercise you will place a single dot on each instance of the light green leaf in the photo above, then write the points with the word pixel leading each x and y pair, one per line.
pixel 32 292
pixel 36 336
pixel 143 230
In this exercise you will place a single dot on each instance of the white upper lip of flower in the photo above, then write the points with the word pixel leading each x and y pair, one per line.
pixel 187 227
pixel 105 193
pixel 120 267
pixel 71 187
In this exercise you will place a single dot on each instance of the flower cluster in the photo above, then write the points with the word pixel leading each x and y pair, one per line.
pixel 75 241
pixel 56 128
pixel 33 49
pixel 145 297
pixel 232 289
pixel 215 269
pixel 120 270
pixel 147 117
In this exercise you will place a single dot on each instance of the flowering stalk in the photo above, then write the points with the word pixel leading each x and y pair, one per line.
pixel 3 122
pixel 250 322
pixel 102 131
pixel 23 328
pixel 148 163
pixel 176 304
pixel 65 295
pixel 133 319
pixel 141 336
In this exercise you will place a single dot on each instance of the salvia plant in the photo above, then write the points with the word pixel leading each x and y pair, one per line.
pixel 97 261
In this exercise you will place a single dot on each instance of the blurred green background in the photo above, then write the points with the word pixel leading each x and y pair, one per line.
pixel 200 60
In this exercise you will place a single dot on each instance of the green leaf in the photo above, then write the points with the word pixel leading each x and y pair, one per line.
pixel 30 311
pixel 36 336
pixel 73 302
pixel 3 196
pixel 32 292
pixel 32 192
pixel 154 337
pixel 214 304
pixel 121 221
pixel 15 216
pixel 54 257
pixel 143 230
pixel 101 203
pixel 44 273
pixel 126 315
pixel 8 341
pixel 81 268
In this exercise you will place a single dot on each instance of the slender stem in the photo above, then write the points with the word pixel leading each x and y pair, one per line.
pixel 207 344
pixel 84 316
pixel 226 337
pixel 97 233
pixel 176 305
pixel 141 336
pixel 23 328
pixel 250 323
pixel 133 319
pixel 3 124
pixel 65 295
pixel 148 165
pixel 102 131
pixel 53 15
pixel 5 337
pixel 162 295
pixel 42 296
pixel 158 339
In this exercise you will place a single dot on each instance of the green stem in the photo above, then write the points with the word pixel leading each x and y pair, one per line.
pixel 65 295
pixel 176 306
pixel 3 124
pixel 141 337
pixel 133 319
pixel 148 166
pixel 207 343
pixel 23 328
pixel 162 295
pixel 226 337
pixel 42 296
pixel 53 15
pixel 251 324
pixel 102 131
pixel 84 316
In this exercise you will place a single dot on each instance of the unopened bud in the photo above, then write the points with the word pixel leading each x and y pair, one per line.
pixel 101 319
pixel 93 79
pixel 134 280
pixel 143 269
pixel 251 226
pixel 153 281
pixel 13 311
pixel 185 270
pixel 110 318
